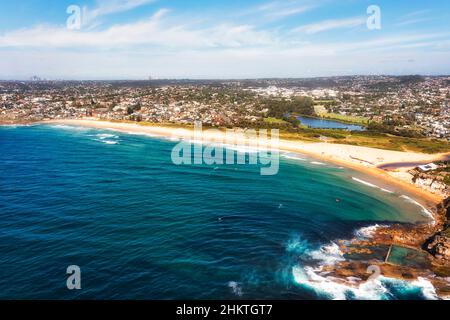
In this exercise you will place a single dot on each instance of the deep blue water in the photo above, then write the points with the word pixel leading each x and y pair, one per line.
pixel 329 124
pixel 141 227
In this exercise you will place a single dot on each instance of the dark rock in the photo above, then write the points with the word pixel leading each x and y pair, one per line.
pixel 439 244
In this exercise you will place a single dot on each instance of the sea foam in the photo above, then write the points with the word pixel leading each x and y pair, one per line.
pixel 67 127
pixel 375 289
pixel 104 136
pixel 326 286
pixel 371 185
pixel 327 254
pixel 235 288
pixel 426 212
pixel 332 288
pixel 292 157
pixel 368 232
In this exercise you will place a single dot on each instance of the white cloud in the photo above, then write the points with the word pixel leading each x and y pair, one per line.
pixel 283 9
pixel 151 32
pixel 113 6
pixel 227 63
pixel 107 7
pixel 412 21
pixel 417 13
pixel 331 25
pixel 165 45
pixel 157 32
pixel 414 18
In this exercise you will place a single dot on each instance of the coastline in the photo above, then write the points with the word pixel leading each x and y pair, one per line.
pixel 362 159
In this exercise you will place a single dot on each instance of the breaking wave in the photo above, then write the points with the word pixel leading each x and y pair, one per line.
pixel 427 212
pixel 368 232
pixel 235 288
pixel 103 136
pixel 109 142
pixel 67 127
pixel 292 157
pixel 310 274
pixel 375 289
pixel 371 185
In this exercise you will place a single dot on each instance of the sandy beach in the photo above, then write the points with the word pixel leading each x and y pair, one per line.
pixel 362 159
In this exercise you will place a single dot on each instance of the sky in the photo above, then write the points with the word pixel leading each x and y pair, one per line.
pixel 228 39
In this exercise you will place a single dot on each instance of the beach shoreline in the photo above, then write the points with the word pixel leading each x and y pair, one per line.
pixel 361 159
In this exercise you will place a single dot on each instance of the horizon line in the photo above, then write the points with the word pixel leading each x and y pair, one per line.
pixel 221 79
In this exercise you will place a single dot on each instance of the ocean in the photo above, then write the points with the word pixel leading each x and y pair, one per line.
pixel 141 227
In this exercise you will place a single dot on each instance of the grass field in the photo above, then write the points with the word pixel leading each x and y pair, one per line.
pixel 321 111
pixel 370 139
pixel 347 119
pixel 275 121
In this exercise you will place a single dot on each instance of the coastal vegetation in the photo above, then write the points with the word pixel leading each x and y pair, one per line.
pixel 371 139
pixel 321 110
pixel 346 119
pixel 282 108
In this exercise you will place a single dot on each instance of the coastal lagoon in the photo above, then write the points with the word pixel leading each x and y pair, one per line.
pixel 328 124
pixel 141 227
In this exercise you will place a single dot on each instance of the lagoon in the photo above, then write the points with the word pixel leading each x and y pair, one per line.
pixel 328 124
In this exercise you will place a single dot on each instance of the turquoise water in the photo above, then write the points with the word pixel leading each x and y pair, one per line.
pixel 329 124
pixel 408 257
pixel 141 227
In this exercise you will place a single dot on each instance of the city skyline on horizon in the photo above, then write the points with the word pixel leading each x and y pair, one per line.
pixel 43 79
pixel 36 78
pixel 172 39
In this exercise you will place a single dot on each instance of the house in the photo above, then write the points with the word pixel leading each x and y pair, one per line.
pixel 428 167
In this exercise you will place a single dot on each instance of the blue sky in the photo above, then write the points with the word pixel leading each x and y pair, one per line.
pixel 135 39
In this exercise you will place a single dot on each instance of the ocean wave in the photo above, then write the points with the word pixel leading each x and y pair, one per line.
pixel 106 138
pixel 427 288
pixel 371 185
pixel 145 134
pixel 368 232
pixel 426 212
pixel 375 289
pixel 235 288
pixel 297 245
pixel 110 142
pixel 103 136
pixel 244 149
pixel 293 157
pixel 18 125
pixel 318 163
pixel 330 287
pixel 12 126
pixel 67 127
pixel 327 254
